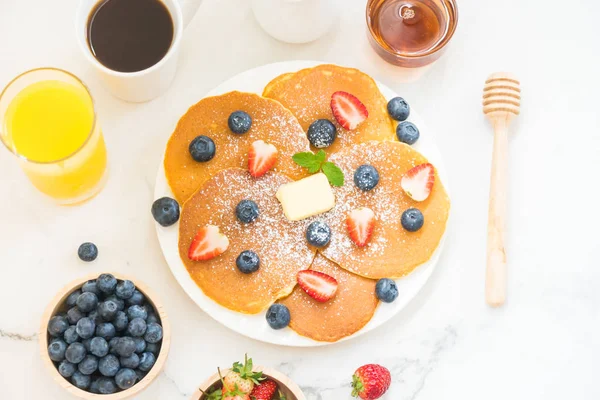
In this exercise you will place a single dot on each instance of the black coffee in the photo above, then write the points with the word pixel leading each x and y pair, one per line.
pixel 130 35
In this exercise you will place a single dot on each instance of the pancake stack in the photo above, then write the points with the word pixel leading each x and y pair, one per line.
pixel 210 191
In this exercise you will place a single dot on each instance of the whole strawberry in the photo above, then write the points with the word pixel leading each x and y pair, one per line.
pixel 241 379
pixel 264 390
pixel 371 381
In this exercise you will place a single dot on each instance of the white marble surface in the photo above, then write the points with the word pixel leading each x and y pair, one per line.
pixel 544 344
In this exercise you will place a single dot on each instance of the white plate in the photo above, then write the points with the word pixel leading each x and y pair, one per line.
pixel 255 326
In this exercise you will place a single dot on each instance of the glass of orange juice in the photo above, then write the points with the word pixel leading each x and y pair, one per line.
pixel 47 120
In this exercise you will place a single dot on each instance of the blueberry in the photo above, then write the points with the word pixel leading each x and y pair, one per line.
pixel 119 302
pixel 137 299
pixel 153 348
pixel 154 333
pixel 147 361
pixel 87 302
pixel 398 108
pixel 130 362
pixel 90 287
pixel 278 316
pixel 126 288
pixel 321 133
pixel 94 316
pixel 239 122
pixel 166 212
pixel 87 251
pixel 108 310
pixel 136 327
pixel 152 317
pixel 80 380
pixel 246 211
pixel 202 149
pixel 407 132
pixel 318 234
pixel 88 365
pixel 106 385
pixel 109 365
pixel 98 346
pixel 125 346
pixel 75 353
pixel 107 283
pixel 247 262
pixel 71 335
pixel 66 369
pixel 140 374
pixel 87 343
pixel 112 345
pixel 140 344
pixel 85 328
pixel 366 177
pixel 121 321
pixel 94 386
pixel 106 330
pixel 386 290
pixel 57 325
pixel 126 378
pixel 74 315
pixel 137 312
pixel 72 299
pixel 412 220
pixel 56 350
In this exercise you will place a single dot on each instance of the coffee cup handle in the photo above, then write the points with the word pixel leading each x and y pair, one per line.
pixel 188 9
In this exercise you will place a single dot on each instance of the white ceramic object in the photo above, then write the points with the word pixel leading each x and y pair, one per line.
pixel 255 326
pixel 141 86
pixel 296 21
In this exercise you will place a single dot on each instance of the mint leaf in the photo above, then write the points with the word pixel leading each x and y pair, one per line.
pixel 320 156
pixel 314 168
pixel 304 159
pixel 334 174
pixel 309 160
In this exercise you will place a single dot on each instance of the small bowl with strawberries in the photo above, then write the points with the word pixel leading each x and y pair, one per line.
pixel 244 381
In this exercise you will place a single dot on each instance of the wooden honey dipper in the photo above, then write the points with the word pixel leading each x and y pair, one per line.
pixel 501 103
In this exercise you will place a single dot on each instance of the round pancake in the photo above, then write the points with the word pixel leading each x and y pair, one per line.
pixel 279 243
pixel 270 122
pixel 273 86
pixel 307 94
pixel 348 312
pixel 392 252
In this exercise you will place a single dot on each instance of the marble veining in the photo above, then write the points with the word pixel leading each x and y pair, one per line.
pixel 447 343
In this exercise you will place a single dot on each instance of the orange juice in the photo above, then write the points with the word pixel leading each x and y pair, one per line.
pixel 51 126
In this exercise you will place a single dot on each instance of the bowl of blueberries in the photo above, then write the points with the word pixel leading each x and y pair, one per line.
pixel 105 336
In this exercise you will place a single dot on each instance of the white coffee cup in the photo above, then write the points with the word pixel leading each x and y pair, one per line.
pixel 151 82
pixel 296 21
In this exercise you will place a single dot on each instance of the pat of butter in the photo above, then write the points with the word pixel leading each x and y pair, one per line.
pixel 306 197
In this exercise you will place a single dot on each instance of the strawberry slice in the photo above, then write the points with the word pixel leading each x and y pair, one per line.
pixel 318 285
pixel 418 182
pixel 360 223
pixel 208 243
pixel 261 158
pixel 348 110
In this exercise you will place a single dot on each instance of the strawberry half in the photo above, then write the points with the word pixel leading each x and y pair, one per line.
pixel 318 285
pixel 261 158
pixel 348 110
pixel 264 390
pixel 360 224
pixel 418 182
pixel 208 243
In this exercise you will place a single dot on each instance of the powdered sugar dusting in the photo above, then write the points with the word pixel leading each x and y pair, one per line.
pixel 270 122
pixel 279 243
pixel 391 252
